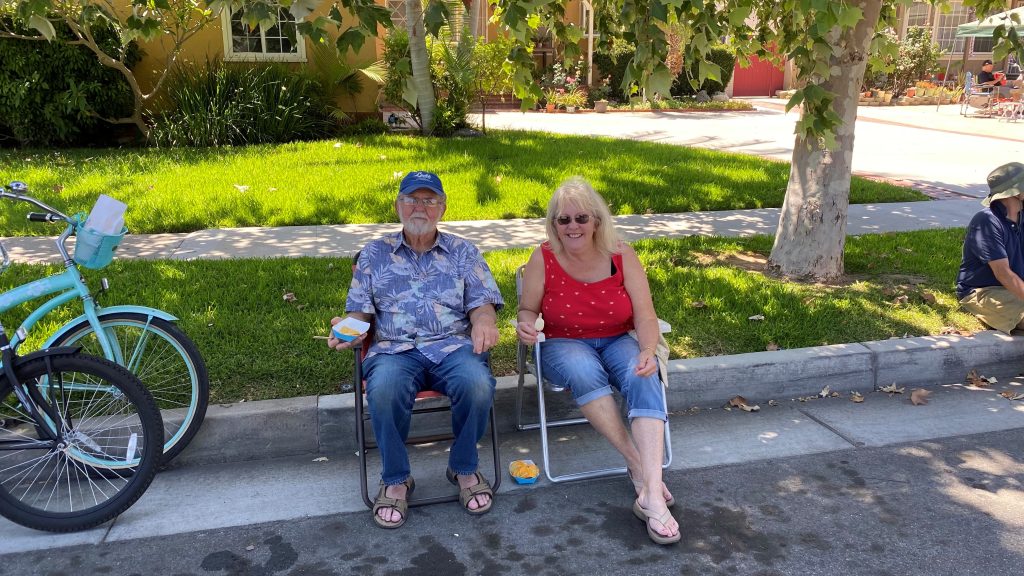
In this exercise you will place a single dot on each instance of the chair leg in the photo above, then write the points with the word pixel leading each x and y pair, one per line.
pixel 545 446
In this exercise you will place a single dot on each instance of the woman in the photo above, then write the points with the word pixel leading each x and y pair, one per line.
pixel 592 291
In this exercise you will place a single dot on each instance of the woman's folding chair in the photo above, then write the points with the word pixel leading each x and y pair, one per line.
pixel 528 361
pixel 427 402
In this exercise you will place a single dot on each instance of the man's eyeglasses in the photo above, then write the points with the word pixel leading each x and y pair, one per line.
pixel 412 201
pixel 580 219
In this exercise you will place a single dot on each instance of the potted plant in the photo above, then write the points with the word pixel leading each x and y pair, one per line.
pixel 600 106
pixel 550 100
pixel 574 99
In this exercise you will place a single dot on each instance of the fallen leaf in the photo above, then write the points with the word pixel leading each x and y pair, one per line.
pixel 698 304
pixel 973 379
pixel 834 395
pixel 756 317
pixel 928 297
pixel 856 397
pixel 289 297
pixel 250 548
pixel 320 459
pixel 907 250
pixel 240 187
pixel 337 144
pixel 901 299
pixel 741 403
pixel 808 301
pixel 359 144
pixel 1011 395
pixel 824 392
pixel 919 396
pixel 773 403
pixel 891 389
pixel 806 398
pixel 772 347
pixel 300 306
pixel 950 330
pixel 498 178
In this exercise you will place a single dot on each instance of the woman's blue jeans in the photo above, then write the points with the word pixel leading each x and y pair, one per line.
pixel 392 382
pixel 591 367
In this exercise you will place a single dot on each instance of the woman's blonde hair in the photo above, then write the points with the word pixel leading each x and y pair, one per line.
pixel 579 193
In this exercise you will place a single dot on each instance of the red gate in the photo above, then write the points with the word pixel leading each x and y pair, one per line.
pixel 761 78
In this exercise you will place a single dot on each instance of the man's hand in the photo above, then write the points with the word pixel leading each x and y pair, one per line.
pixel 485 328
pixel 484 335
pixel 339 344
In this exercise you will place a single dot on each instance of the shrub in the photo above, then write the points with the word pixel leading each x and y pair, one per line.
pixel 724 56
pixel 918 58
pixel 54 94
pixel 454 75
pixel 612 65
pixel 218 105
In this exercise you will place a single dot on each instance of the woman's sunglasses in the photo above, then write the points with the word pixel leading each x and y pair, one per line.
pixel 580 219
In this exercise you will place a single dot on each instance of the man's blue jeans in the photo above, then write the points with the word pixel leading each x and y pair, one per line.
pixel 392 382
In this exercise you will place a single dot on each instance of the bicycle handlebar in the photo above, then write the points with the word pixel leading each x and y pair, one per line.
pixel 18 191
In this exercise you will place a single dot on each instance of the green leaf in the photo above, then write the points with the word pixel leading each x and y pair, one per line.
pixel 660 81
pixel 795 100
pixel 43 26
pixel 409 92
pixel 707 69
pixel 436 16
pixel 351 38
pixel 849 16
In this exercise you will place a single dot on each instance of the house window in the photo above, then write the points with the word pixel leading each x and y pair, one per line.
pixel 917 15
pixel 945 28
pixel 280 42
pixel 397 8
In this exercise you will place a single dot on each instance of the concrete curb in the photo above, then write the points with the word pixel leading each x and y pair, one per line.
pixel 311 425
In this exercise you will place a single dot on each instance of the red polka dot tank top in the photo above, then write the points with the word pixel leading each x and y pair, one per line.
pixel 574 309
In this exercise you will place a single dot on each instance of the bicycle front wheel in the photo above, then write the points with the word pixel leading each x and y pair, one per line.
pixel 167 362
pixel 106 451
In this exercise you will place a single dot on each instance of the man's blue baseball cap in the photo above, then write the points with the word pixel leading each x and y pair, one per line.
pixel 421 180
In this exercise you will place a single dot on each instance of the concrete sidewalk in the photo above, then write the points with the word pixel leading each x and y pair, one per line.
pixel 344 240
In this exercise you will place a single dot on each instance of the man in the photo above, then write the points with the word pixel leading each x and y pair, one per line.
pixel 987 78
pixel 435 304
pixel 990 284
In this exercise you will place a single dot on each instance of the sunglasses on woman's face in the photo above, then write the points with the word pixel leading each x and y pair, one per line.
pixel 580 219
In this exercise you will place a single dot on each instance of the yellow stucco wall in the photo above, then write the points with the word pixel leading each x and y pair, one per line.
pixel 208 45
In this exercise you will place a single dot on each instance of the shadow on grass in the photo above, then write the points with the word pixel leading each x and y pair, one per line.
pixel 503 175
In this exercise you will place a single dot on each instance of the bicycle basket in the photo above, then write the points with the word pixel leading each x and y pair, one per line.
pixel 93 249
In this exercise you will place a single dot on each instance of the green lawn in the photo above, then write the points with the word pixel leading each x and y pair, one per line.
pixel 258 346
pixel 504 175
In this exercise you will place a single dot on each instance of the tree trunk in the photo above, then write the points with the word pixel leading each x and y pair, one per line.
pixel 473 8
pixel 420 64
pixel 811 235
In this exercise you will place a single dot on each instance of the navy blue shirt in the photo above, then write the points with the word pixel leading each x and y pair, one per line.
pixel 990 236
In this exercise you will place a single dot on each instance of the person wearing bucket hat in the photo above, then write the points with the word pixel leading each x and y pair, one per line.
pixel 990 283
pixel 434 302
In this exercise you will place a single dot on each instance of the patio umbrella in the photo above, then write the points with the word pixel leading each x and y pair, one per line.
pixel 985 27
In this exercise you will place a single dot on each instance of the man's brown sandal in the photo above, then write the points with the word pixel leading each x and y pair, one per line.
pixel 401 506
pixel 466 494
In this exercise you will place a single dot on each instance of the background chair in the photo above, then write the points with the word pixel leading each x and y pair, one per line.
pixel 977 97
pixel 528 361
pixel 427 402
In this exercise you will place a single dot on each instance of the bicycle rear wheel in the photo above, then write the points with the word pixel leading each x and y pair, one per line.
pixel 108 446
pixel 167 362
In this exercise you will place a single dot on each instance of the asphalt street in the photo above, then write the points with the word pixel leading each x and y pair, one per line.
pixel 947 507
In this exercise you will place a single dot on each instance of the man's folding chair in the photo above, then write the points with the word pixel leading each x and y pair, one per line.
pixel 427 402
pixel 528 361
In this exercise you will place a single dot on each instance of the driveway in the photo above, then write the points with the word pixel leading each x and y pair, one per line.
pixel 917 144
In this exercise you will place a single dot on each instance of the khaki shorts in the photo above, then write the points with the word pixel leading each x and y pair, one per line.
pixel 996 307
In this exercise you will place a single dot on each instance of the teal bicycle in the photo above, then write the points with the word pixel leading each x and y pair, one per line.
pixel 144 340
